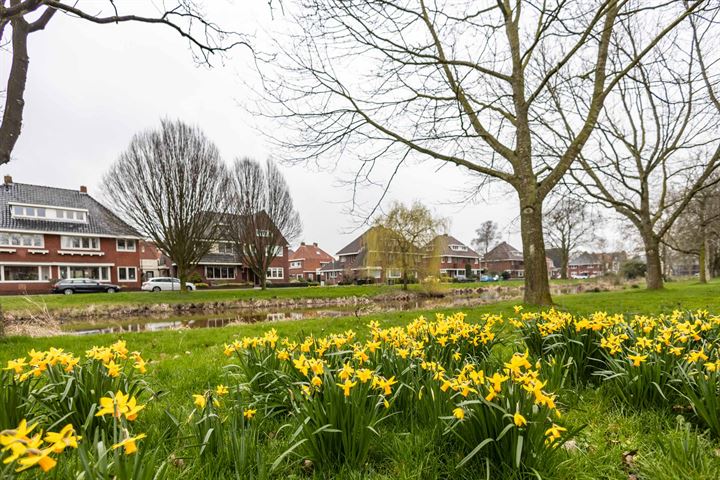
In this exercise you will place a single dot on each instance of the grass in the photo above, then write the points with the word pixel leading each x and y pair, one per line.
pixel 188 361
pixel 18 303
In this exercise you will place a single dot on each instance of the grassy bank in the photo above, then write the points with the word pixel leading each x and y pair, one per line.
pixel 182 363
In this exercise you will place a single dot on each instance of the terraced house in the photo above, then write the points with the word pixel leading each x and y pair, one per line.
pixel 49 233
pixel 452 258
pixel 306 262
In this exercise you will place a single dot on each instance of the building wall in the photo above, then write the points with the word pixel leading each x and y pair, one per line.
pixel 244 274
pixel 49 256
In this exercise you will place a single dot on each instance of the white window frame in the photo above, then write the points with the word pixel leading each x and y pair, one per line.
pixel 125 243
pixel 296 264
pixel 262 233
pixel 394 273
pixel 81 237
pixel 278 251
pixel 104 269
pixel 39 269
pixel 51 213
pixel 127 277
pixel 21 242
pixel 272 271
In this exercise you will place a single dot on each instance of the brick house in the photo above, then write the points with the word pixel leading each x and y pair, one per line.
pixel 305 262
pixel 153 262
pixel 450 257
pixel 49 233
pixel 221 265
pixel 585 264
pixel 506 258
pixel 352 263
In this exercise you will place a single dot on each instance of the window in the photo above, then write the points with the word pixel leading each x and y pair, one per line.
pixel 94 273
pixel 333 274
pixel 275 273
pixel 394 273
pixel 125 245
pixel 20 240
pixel 80 243
pixel 262 233
pixel 458 248
pixel 295 264
pixel 219 273
pixel 127 274
pixel 225 247
pixel 25 273
pixel 278 251
pixel 49 213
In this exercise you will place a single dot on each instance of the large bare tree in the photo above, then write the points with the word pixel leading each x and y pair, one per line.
pixel 171 184
pixel 466 83
pixel 25 17
pixel 569 223
pixel 656 145
pixel 262 219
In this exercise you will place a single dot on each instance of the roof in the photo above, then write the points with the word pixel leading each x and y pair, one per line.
pixel 356 245
pixel 503 251
pixel 584 258
pixel 441 247
pixel 356 263
pixel 310 252
pixel 554 254
pixel 101 221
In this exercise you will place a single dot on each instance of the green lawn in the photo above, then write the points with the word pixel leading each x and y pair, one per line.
pixel 188 361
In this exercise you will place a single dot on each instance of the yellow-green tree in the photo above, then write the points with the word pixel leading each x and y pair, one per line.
pixel 401 238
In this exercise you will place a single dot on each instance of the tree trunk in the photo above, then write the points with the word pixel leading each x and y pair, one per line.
pixel 182 276
pixel 564 262
pixel 14 99
pixel 702 260
pixel 653 274
pixel 537 283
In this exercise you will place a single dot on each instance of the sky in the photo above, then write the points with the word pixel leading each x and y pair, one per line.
pixel 91 87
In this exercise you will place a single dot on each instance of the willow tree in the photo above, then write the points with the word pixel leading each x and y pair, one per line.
pixel 23 18
pixel 472 84
pixel 171 185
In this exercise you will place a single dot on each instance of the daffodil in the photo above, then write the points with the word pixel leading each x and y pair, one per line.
pixel 364 374
pixel 316 382
pixel 249 413
pixel 637 359
pixel 459 413
pixel 221 390
pixel 129 445
pixel 346 386
pixel 119 405
pixel 62 439
pixel 519 420
pixel 199 400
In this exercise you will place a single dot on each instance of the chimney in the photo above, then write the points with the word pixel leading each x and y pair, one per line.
pixel 8 180
pixel 83 189
pixel 302 244
pixel 314 244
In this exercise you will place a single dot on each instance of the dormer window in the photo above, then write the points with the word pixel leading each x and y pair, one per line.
pixel 43 212
pixel 458 248
pixel 80 243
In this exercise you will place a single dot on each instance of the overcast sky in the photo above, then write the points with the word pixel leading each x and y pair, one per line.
pixel 91 87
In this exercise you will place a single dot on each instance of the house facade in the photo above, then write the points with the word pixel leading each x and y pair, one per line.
pixel 49 233
pixel 153 263
pixel 353 264
pixel 305 262
pixel 452 258
pixel 585 265
pixel 506 258
pixel 223 266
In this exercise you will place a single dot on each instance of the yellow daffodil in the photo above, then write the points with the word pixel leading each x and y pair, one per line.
pixel 129 445
pixel 316 382
pixel 221 390
pixel 519 420
pixel 64 438
pixel 637 359
pixel 249 413
pixel 200 401
pixel 459 413
pixel 119 405
pixel 347 386
pixel 364 374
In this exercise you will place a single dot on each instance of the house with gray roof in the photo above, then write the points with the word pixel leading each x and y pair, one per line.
pixel 49 233
pixel 448 256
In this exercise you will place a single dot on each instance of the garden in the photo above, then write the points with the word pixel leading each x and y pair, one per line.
pixel 495 392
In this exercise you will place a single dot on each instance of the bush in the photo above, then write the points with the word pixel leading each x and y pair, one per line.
pixel 633 269
pixel 195 277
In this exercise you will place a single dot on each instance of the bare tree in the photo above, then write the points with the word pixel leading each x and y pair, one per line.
pixel 655 147
pixel 697 228
pixel 569 223
pixel 401 239
pixel 262 220
pixel 170 184
pixel 467 83
pixel 485 236
pixel 25 17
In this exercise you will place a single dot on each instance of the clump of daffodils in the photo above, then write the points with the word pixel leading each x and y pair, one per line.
pixel 22 447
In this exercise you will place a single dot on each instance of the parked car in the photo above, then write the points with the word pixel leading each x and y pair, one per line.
pixel 581 276
pixel 489 278
pixel 160 284
pixel 83 285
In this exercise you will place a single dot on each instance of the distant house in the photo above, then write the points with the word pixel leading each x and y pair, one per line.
pixel 222 265
pixel 452 258
pixel 153 263
pixel 305 262
pixel 351 264
pixel 585 264
pixel 506 258
pixel 49 233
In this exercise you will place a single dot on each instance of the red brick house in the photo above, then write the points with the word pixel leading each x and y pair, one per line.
pixel 585 264
pixel 49 233
pixel 506 258
pixel 305 262
pixel 221 265
pixel 452 258
pixel 352 263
